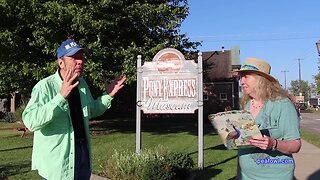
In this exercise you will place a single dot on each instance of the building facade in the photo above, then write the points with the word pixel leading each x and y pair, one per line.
pixel 221 87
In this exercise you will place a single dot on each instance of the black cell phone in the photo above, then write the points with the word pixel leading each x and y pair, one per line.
pixel 265 132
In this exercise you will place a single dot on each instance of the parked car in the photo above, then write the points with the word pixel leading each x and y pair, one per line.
pixel 302 106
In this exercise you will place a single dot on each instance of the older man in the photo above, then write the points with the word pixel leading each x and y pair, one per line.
pixel 59 111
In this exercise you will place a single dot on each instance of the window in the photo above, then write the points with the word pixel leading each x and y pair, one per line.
pixel 205 96
pixel 207 88
pixel 223 96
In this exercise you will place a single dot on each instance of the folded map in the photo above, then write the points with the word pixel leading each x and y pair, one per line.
pixel 236 122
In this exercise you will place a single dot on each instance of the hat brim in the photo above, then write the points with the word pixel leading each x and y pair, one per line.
pixel 269 77
pixel 75 50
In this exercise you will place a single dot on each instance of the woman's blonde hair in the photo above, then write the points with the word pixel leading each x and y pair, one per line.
pixel 266 90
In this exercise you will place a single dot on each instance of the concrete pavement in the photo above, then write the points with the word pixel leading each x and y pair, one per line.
pixel 307 162
pixel 95 177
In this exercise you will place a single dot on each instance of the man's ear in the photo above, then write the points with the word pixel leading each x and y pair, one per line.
pixel 60 63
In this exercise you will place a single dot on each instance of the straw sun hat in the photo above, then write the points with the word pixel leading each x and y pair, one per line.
pixel 257 66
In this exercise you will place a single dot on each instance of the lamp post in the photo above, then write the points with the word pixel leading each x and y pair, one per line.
pixel 318 47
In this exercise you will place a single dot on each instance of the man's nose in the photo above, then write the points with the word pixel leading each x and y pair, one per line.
pixel 79 61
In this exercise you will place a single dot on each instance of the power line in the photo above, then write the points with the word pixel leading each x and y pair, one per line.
pixel 255 34
pixel 257 40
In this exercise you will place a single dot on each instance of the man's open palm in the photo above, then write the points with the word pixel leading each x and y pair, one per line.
pixel 115 85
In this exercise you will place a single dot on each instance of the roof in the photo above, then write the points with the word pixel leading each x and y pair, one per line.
pixel 219 64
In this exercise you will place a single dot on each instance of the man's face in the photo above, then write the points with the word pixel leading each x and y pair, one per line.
pixel 74 63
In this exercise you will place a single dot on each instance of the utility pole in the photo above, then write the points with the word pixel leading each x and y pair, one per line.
pixel 299 68
pixel 299 62
pixel 285 78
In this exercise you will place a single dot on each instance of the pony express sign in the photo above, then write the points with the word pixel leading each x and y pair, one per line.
pixel 169 84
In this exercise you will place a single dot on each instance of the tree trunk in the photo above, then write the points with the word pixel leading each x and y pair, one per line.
pixel 13 104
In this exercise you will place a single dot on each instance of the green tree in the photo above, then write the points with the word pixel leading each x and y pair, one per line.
pixel 317 80
pixel 114 31
pixel 300 87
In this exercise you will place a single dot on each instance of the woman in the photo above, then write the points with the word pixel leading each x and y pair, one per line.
pixel 269 157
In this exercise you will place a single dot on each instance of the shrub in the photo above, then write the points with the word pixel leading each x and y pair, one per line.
pixel 181 164
pixel 8 117
pixel 157 169
pixel 11 117
pixel 158 164
pixel 123 166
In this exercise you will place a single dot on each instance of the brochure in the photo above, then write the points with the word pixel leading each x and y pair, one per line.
pixel 237 123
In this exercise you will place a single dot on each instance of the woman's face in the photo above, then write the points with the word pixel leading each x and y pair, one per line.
pixel 248 82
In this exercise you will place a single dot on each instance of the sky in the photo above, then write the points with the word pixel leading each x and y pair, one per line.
pixel 278 31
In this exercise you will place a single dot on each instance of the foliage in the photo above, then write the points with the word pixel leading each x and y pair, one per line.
pixel 317 80
pixel 181 164
pixel 157 164
pixel 8 117
pixel 157 169
pixel 114 31
pixel 300 87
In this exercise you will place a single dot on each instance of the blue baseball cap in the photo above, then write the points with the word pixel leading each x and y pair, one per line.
pixel 69 48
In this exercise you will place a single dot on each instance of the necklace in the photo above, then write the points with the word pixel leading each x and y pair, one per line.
pixel 253 104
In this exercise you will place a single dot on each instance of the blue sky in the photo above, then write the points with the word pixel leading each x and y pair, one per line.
pixel 278 31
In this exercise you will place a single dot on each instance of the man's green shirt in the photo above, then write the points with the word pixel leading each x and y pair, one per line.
pixel 48 115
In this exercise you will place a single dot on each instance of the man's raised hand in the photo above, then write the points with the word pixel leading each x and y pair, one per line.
pixel 115 85
pixel 68 83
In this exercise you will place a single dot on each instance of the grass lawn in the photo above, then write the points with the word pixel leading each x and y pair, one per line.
pixel 310 137
pixel 179 134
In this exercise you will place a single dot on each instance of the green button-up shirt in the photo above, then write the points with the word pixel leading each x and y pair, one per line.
pixel 281 120
pixel 48 115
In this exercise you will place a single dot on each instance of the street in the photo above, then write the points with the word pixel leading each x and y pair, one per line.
pixel 311 122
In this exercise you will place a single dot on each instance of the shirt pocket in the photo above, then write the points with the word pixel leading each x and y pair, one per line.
pixel 274 128
pixel 61 123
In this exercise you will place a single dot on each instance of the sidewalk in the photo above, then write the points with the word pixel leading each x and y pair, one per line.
pixel 95 177
pixel 307 162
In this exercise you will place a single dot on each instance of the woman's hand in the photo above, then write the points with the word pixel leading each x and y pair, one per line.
pixel 264 142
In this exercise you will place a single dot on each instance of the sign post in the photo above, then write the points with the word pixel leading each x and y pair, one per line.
pixel 138 110
pixel 200 112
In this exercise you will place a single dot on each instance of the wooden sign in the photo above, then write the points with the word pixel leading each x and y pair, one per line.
pixel 169 84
